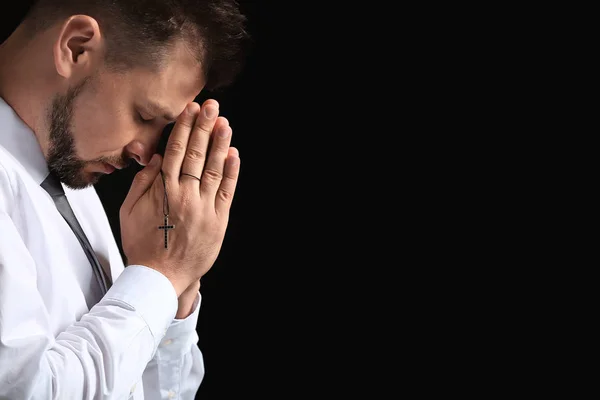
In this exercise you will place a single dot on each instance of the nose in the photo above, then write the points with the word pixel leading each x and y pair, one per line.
pixel 140 152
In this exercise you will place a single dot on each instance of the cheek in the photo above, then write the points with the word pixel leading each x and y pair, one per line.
pixel 103 123
pixel 97 136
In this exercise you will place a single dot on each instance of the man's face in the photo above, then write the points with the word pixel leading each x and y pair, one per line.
pixel 112 119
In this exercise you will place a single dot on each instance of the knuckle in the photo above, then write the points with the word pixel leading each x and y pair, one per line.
pixel 194 154
pixel 213 174
pixel 186 123
pixel 175 147
pixel 142 177
pixel 202 128
pixel 225 195
pixel 221 145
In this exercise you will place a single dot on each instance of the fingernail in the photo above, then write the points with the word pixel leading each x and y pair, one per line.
pixel 210 112
pixel 223 132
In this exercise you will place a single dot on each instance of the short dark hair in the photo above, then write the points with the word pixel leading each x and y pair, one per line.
pixel 140 32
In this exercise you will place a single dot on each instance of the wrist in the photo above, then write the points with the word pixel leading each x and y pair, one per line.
pixel 180 283
pixel 186 302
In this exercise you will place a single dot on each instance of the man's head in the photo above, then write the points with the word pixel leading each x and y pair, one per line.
pixel 122 70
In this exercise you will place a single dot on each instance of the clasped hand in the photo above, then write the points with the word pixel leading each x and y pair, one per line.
pixel 198 209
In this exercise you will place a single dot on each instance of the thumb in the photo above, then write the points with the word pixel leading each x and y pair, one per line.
pixel 142 181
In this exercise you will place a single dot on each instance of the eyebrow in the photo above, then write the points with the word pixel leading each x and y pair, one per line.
pixel 158 109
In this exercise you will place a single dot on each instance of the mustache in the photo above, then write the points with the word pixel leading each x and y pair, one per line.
pixel 120 163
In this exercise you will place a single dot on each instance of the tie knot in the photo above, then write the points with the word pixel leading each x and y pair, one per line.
pixel 52 185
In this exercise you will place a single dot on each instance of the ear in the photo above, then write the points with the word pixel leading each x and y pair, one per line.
pixel 78 46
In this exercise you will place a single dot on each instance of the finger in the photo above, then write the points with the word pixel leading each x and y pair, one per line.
pixel 178 142
pixel 142 181
pixel 197 148
pixel 231 173
pixel 213 172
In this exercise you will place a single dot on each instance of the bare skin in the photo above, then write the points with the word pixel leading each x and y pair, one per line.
pixel 111 121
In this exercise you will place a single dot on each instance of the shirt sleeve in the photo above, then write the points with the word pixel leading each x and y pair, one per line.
pixel 177 368
pixel 101 356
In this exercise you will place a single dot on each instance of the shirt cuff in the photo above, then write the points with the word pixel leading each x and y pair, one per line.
pixel 181 334
pixel 150 294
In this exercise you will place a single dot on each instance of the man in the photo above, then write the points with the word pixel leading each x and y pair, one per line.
pixel 85 87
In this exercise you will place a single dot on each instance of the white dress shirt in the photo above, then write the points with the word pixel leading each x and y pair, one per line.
pixel 59 338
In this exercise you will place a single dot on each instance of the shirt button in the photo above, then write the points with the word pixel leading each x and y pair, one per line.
pixel 167 342
pixel 171 394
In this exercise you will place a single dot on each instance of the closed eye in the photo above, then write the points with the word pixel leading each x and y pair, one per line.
pixel 144 120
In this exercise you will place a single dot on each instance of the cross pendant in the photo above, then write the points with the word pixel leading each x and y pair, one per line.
pixel 166 228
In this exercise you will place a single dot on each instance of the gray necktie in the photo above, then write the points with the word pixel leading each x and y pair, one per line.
pixel 52 185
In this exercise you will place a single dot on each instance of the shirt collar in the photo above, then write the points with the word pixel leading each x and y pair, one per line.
pixel 21 142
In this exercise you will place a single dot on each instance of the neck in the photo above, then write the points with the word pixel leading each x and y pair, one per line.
pixel 23 84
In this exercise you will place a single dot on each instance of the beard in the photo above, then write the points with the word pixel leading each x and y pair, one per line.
pixel 62 155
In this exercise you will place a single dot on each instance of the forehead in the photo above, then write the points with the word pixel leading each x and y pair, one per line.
pixel 173 86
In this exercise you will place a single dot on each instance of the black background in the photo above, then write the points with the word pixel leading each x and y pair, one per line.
pixel 249 325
